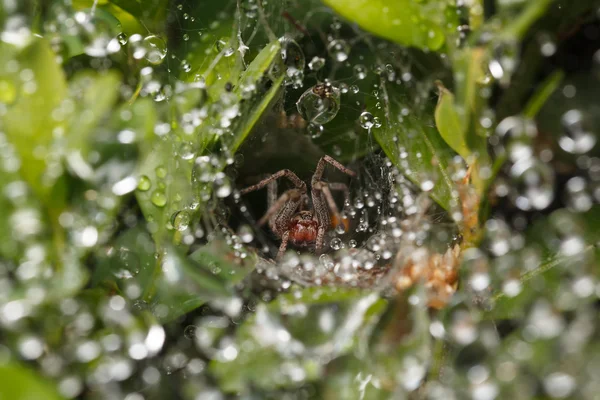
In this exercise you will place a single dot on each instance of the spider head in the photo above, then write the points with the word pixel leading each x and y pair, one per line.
pixel 303 229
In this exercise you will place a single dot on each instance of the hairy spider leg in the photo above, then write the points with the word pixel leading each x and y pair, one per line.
pixel 326 188
pixel 322 198
pixel 272 200
pixel 280 210
pixel 283 246
pixel 285 206
pixel 300 185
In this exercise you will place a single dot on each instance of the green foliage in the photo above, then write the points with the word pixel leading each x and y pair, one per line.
pixel 413 144
pixel 20 383
pixel 30 124
pixel 405 22
pixel 131 265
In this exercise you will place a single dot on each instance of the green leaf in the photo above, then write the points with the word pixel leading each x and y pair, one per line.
pixel 185 284
pixel 259 103
pixel 414 145
pixel 542 94
pixel 20 383
pixel 252 104
pixel 449 124
pixel 216 257
pixel 151 13
pixel 178 282
pixel 29 122
pixel 171 188
pixel 349 378
pixel 131 255
pixel 457 116
pixel 519 26
pixel 93 96
pixel 405 22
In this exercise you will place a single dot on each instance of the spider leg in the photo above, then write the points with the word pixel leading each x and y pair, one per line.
pixel 271 193
pixel 292 196
pixel 300 185
pixel 321 212
pixel 324 188
pixel 321 168
pixel 283 245
pixel 320 240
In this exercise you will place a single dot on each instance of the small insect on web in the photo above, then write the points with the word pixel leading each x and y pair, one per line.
pixel 286 215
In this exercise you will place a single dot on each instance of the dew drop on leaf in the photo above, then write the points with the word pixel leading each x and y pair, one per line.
pixel 144 184
pixel 159 198
pixel 161 172
pixel 181 220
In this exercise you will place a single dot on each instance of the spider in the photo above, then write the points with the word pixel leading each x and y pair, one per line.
pixel 287 216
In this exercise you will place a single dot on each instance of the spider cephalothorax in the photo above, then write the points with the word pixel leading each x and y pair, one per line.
pixel 286 217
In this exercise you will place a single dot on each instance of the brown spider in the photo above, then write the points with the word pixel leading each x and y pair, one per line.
pixel 286 216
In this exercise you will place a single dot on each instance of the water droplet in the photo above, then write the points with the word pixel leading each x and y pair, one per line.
pixel 123 38
pixel 504 61
pixel 190 331
pixel 316 63
pixel 360 71
pixel 185 66
pixel 514 136
pixel 245 233
pixel 577 196
pixel 293 61
pixel 479 281
pixel 186 151
pixel 96 33
pixel 427 185
pixel 181 220
pixel 319 104
pixel 161 172
pixel 223 186
pixel 314 130
pixel 159 198
pixel 345 269
pixel 144 183
pixel 339 50
pixel 533 184
pixel 336 243
pixel 366 120
pixel 578 137
pixel 156 49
